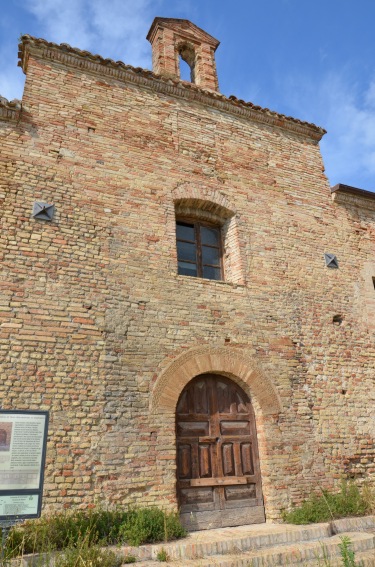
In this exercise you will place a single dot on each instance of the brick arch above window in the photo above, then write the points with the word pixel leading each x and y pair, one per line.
pixel 203 209
pixel 193 192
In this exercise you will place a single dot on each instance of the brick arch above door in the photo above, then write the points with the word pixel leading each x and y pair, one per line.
pixel 226 361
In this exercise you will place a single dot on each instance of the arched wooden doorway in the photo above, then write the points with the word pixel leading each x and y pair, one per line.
pixel 218 474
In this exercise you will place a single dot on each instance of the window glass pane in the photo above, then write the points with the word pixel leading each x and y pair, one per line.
pixel 210 256
pixel 186 251
pixel 210 235
pixel 186 269
pixel 185 231
pixel 211 273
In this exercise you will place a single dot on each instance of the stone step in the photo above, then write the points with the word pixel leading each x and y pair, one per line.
pixel 232 540
pixel 243 538
pixel 306 553
pixel 357 524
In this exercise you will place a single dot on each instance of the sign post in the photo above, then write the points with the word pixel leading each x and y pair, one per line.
pixel 23 440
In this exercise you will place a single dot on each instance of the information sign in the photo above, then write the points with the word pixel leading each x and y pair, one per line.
pixel 23 439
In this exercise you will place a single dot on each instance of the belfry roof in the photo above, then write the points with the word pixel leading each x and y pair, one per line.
pixel 183 25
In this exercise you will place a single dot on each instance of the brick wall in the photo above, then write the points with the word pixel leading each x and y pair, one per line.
pixel 94 313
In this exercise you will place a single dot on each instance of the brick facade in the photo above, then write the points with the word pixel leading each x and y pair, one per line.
pixel 98 327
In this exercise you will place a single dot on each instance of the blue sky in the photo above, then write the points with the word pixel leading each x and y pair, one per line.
pixel 311 59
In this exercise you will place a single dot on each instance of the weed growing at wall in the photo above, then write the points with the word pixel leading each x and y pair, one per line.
pixel 349 501
pixel 149 525
pixel 162 556
pixel 97 528
pixel 368 494
pixel 60 531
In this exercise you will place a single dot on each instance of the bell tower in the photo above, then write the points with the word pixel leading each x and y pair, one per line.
pixel 172 38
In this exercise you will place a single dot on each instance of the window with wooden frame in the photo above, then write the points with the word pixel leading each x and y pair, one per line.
pixel 199 249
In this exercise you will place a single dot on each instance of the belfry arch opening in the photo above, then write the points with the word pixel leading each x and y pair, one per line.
pixel 187 60
pixel 218 472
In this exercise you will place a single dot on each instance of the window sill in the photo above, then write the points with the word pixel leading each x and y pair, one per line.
pixel 191 280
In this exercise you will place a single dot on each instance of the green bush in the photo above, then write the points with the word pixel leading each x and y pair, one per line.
pixel 98 527
pixel 349 501
pixel 150 525
pixel 63 530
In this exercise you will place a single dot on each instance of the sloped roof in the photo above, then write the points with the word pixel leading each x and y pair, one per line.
pixel 87 61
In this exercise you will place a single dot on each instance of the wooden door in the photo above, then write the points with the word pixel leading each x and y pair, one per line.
pixel 218 475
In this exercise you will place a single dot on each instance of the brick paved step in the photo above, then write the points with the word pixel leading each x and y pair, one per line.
pixel 232 540
pixel 361 523
pixel 304 553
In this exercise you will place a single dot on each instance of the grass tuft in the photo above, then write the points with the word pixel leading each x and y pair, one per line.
pixel 151 525
pixel 162 555
pixel 129 559
pixel 349 501
pixel 86 554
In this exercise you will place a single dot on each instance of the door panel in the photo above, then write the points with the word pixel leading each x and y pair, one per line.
pixel 197 495
pixel 217 456
pixel 247 459
pixel 234 427
pixel 239 492
pixel 205 469
pixel 184 461
pixel 228 459
pixel 192 429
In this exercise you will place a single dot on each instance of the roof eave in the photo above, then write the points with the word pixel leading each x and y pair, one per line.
pixel 341 188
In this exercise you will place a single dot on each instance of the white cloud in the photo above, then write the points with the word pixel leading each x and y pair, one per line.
pixel 62 21
pixel 112 28
pixel 347 111
pixel 115 28
pixel 349 147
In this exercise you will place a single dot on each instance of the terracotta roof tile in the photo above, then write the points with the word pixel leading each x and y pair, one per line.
pixel 9 109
